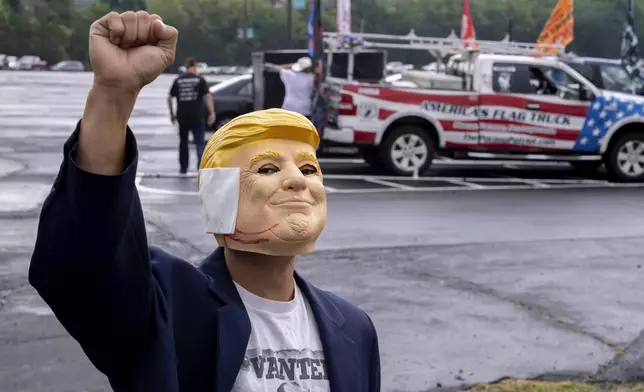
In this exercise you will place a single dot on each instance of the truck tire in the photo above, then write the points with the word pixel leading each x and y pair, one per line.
pixel 371 156
pixel 625 158
pixel 406 149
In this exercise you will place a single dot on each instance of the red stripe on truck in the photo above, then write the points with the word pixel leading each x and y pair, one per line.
pixel 363 137
pixel 385 114
pixel 511 101
pixel 412 97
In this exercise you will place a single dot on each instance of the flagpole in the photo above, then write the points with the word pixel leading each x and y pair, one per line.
pixel 508 10
pixel 289 22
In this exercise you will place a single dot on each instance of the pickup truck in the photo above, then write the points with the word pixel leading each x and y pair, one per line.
pixel 502 107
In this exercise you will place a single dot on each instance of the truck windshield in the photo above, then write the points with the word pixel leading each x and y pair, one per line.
pixel 616 79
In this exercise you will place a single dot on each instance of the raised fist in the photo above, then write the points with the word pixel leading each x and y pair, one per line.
pixel 129 50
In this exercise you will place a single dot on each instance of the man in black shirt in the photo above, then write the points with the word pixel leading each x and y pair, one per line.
pixel 190 90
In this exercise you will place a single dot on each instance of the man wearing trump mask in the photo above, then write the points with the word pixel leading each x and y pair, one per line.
pixel 243 320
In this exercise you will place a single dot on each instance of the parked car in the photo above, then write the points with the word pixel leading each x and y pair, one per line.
pixel 11 63
pixel 607 74
pixel 232 98
pixel 29 63
pixel 69 66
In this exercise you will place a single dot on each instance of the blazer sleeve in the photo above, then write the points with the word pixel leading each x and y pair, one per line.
pixel 91 261
pixel 374 374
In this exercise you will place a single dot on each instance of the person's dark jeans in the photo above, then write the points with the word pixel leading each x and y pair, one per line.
pixel 198 135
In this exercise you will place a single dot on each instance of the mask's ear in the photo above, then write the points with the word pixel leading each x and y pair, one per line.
pixel 219 196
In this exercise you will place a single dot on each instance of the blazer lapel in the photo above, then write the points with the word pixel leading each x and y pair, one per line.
pixel 233 324
pixel 340 352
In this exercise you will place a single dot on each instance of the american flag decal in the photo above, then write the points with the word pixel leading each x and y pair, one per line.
pixel 604 113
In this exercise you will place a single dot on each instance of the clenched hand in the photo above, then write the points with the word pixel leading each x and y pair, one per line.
pixel 130 50
pixel 127 51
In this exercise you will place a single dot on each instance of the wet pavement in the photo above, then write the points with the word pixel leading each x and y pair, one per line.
pixel 475 273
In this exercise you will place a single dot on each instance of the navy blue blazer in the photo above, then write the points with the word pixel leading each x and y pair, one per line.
pixel 151 321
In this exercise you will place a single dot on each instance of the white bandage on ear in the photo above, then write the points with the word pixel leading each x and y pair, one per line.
pixel 219 196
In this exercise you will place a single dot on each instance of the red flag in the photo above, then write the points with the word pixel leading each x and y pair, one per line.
pixel 467 27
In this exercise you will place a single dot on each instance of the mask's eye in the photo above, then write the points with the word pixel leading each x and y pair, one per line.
pixel 268 169
pixel 309 170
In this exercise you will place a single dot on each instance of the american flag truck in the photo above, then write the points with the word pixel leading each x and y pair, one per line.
pixel 494 100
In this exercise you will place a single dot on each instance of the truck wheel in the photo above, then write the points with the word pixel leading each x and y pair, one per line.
pixel 625 160
pixel 586 166
pixel 407 149
pixel 371 156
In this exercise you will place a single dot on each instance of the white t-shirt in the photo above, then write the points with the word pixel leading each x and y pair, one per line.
pixel 298 89
pixel 284 352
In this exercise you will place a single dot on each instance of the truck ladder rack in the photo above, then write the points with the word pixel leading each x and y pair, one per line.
pixel 438 45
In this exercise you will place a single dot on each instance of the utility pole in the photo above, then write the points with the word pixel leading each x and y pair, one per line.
pixel 289 22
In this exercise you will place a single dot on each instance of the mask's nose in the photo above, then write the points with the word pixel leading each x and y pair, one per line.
pixel 294 179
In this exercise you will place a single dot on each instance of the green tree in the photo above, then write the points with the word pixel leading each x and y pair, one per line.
pixel 79 37
pixel 208 29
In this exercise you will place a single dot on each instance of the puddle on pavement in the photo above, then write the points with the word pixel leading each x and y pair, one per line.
pixel 27 302
pixel 7 167
pixel 19 197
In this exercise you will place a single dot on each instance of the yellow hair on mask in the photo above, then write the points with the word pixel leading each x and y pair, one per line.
pixel 253 127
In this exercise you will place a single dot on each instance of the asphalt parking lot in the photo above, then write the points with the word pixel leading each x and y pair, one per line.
pixel 480 271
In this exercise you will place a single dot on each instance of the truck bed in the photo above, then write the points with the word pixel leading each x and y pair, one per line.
pixel 426 80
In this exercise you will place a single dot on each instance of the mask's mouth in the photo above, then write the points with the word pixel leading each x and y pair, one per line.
pixel 293 201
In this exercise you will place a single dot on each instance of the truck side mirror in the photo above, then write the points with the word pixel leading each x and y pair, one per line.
pixel 585 94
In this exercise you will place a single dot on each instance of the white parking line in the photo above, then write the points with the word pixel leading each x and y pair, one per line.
pixel 519 186
pixel 353 161
pixel 160 191
pixel 330 189
pixel 465 183
pixel 445 161
pixel 461 184
pixel 388 183
pixel 537 184
pixel 190 174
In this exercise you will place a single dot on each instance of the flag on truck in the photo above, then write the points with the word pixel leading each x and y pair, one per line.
pixel 316 52
pixel 343 17
pixel 467 26
pixel 316 37
pixel 630 56
pixel 560 27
